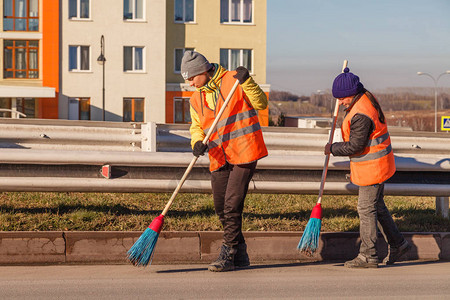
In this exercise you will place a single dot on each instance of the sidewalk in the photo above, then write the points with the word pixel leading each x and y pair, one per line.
pixel 84 247
pixel 290 280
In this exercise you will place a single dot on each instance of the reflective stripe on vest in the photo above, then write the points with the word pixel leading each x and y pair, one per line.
pixel 235 118
pixel 237 138
pixel 378 140
pixel 234 134
pixel 372 156
pixel 376 163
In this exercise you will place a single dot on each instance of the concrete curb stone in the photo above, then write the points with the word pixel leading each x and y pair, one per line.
pixel 32 247
pixel 445 246
pixel 90 247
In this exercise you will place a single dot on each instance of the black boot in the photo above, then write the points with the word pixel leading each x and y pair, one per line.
pixel 395 253
pixel 225 261
pixel 362 262
pixel 241 258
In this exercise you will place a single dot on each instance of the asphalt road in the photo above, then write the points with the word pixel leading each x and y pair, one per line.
pixel 406 280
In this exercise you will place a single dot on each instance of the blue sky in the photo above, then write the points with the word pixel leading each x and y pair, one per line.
pixel 386 43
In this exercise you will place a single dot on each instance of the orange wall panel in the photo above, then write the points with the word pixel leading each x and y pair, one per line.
pixel 50 54
pixel 48 108
pixel 169 103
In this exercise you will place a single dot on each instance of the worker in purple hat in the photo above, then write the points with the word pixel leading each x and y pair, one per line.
pixel 368 144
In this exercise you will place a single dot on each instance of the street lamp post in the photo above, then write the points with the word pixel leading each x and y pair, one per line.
pixel 320 93
pixel 435 93
pixel 101 60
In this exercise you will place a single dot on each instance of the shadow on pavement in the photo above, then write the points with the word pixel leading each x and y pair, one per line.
pixel 412 263
pixel 400 264
pixel 252 267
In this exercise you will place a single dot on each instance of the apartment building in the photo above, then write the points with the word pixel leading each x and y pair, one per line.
pixel 113 60
pixel 119 60
pixel 229 32
pixel 29 35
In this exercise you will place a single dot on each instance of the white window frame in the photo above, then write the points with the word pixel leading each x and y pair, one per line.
pixel 175 99
pixel 241 58
pixel 184 12
pixel 133 59
pixel 175 58
pixel 78 18
pixel 78 69
pixel 241 22
pixel 133 12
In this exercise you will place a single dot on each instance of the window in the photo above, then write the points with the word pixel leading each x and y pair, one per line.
pixel 26 106
pixel 232 58
pixel 184 11
pixel 5 103
pixel 133 109
pixel 20 15
pixel 178 56
pixel 79 58
pixel 79 108
pixel 236 11
pixel 133 59
pixel 21 59
pixel 182 110
pixel 23 105
pixel 133 9
pixel 79 9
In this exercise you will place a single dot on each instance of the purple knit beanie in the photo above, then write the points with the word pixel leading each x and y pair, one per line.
pixel 346 84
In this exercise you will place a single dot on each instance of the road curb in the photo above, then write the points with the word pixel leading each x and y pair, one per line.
pixel 110 247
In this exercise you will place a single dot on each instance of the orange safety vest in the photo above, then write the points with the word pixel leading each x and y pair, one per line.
pixel 376 163
pixel 238 138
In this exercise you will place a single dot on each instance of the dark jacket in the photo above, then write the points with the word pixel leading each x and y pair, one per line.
pixel 361 127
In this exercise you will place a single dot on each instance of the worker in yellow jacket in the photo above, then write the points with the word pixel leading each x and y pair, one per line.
pixel 234 147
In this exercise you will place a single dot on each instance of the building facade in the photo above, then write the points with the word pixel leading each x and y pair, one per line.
pixel 229 32
pixel 118 45
pixel 29 35
pixel 119 60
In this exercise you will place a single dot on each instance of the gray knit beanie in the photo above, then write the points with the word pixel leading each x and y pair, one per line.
pixel 193 63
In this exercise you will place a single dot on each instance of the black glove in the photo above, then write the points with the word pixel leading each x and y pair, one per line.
pixel 199 148
pixel 241 74
pixel 327 149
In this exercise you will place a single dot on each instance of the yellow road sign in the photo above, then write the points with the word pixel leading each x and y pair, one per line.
pixel 445 123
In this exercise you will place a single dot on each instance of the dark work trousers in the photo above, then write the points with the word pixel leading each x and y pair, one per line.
pixel 372 212
pixel 229 187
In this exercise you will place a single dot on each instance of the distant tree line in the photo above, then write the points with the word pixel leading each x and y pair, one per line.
pixel 388 101
pixel 398 102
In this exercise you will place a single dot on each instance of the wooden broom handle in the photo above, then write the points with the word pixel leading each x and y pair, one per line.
pixel 330 141
pixel 205 141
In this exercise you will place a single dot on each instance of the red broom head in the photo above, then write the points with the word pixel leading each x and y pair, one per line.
pixel 157 224
pixel 317 212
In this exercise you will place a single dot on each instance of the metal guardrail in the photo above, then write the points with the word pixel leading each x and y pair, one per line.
pixel 30 163
pixel 70 135
pixel 114 136
pixel 63 170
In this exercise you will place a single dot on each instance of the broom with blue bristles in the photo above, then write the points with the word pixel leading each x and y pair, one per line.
pixel 141 253
pixel 309 243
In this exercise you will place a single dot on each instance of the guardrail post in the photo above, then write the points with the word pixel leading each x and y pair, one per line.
pixel 442 206
pixel 337 136
pixel 148 137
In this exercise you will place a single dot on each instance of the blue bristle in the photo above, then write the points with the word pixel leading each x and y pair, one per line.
pixel 310 238
pixel 141 253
